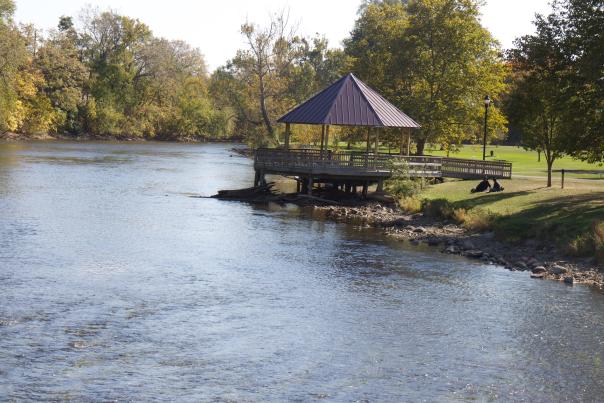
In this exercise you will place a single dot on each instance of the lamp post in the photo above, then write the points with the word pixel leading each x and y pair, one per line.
pixel 487 103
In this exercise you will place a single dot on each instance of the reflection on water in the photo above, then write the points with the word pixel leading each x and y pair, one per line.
pixel 114 284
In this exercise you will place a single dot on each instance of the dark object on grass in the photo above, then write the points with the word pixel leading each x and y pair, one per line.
pixel 482 186
pixel 496 186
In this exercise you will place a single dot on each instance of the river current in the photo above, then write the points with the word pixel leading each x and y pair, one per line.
pixel 116 284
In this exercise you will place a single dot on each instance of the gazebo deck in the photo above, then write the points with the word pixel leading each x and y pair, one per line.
pixel 358 167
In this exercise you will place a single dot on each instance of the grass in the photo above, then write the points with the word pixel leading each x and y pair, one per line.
pixel 570 218
pixel 525 163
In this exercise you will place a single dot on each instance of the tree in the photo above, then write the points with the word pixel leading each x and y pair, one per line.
pixel 13 57
pixel 64 76
pixel 435 61
pixel 277 70
pixel 539 96
pixel 266 63
pixel 581 25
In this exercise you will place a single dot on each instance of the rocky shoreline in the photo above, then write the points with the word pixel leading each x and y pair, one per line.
pixel 450 238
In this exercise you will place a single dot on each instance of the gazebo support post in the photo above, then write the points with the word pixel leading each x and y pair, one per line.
pixel 327 138
pixel 322 138
pixel 380 185
pixel 287 133
pixel 403 142
pixel 309 185
pixel 377 142
pixel 408 141
pixel 365 188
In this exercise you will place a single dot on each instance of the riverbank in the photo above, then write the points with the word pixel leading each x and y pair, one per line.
pixel 449 237
pixel 446 235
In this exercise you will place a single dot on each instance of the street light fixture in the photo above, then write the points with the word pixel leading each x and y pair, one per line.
pixel 487 103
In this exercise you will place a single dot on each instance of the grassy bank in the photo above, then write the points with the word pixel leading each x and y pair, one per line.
pixel 570 219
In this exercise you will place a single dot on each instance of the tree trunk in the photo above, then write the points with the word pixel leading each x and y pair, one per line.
pixel 421 144
pixel 265 117
pixel 550 163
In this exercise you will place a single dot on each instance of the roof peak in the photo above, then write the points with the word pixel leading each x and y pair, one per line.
pixel 348 102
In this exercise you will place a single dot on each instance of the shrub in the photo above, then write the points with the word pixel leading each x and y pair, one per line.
pixel 410 204
pixel 440 208
pixel 589 244
pixel 400 183
pixel 476 219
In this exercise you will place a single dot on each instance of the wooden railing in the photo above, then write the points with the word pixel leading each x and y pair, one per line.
pixel 351 163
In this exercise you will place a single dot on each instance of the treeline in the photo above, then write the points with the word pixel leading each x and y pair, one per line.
pixel 110 78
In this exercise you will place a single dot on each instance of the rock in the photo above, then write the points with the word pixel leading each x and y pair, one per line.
pixel 521 265
pixel 414 242
pixel 433 241
pixel 539 269
pixel 420 230
pixel 558 270
pixel 569 280
pixel 538 275
pixel 467 244
pixel 399 222
pixel 452 249
pixel 474 253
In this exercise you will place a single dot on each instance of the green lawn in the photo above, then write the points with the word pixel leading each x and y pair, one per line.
pixel 525 163
pixel 527 209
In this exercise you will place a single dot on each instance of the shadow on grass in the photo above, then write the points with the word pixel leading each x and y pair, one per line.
pixel 557 220
pixel 488 198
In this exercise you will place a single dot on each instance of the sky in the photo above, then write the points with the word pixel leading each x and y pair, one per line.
pixel 213 26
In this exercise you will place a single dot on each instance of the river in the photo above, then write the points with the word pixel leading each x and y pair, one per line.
pixel 116 284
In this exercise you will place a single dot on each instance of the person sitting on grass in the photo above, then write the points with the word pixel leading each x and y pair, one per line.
pixel 482 186
pixel 496 186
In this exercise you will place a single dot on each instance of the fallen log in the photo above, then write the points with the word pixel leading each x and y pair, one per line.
pixel 252 193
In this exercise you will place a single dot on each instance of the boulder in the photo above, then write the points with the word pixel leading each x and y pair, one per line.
pixel 433 241
pixel 467 244
pixel 452 249
pixel 558 270
pixel 539 269
pixel 569 280
pixel 474 253
pixel 420 230
pixel 521 265
pixel 538 275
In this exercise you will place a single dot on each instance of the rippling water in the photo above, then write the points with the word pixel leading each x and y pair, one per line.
pixel 115 284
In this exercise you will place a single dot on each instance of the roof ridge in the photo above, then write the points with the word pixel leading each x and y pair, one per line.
pixel 373 91
pixel 356 82
pixel 337 94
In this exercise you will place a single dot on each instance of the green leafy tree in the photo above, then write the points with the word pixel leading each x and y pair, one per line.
pixel 277 70
pixel 539 97
pixel 581 24
pixel 64 76
pixel 13 56
pixel 435 61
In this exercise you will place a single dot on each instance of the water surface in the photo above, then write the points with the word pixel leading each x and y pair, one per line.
pixel 116 284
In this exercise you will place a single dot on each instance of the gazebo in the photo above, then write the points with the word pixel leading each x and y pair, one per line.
pixel 350 102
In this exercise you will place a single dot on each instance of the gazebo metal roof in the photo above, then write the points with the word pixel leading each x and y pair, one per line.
pixel 349 102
